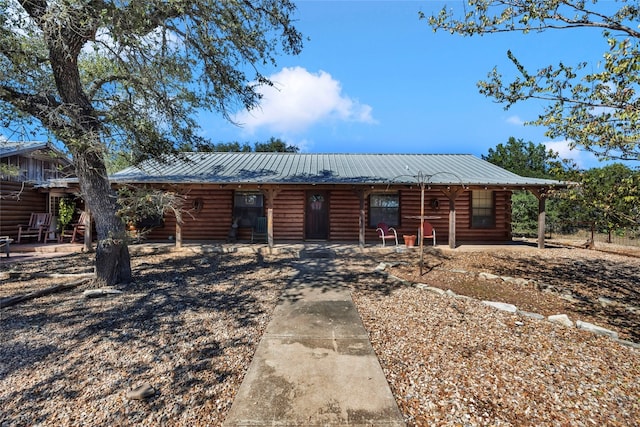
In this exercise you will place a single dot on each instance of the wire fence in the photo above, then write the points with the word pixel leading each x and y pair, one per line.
pixel 625 236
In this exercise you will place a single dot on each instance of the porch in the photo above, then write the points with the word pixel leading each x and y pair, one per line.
pixel 34 251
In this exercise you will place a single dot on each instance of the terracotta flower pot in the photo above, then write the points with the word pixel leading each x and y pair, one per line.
pixel 409 240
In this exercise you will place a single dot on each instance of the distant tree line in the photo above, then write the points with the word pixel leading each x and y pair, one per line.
pixel 607 198
pixel 119 160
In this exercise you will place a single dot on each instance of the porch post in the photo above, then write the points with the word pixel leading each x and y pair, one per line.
pixel 361 219
pixel 270 226
pixel 541 195
pixel 452 195
pixel 542 215
pixel 452 223
pixel 270 195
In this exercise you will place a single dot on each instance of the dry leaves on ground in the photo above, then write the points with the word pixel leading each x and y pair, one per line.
pixel 190 324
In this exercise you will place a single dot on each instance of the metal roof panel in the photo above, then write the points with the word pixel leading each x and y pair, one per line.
pixel 313 168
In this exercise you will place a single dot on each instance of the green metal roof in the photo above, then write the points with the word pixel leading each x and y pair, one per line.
pixel 308 168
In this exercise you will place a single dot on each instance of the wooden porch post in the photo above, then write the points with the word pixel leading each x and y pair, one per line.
pixel 452 195
pixel 362 215
pixel 541 195
pixel 270 226
pixel 270 195
pixel 361 219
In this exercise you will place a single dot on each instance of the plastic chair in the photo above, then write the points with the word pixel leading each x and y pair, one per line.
pixel 385 233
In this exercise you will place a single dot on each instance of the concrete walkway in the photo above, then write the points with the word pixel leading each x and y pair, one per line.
pixel 315 365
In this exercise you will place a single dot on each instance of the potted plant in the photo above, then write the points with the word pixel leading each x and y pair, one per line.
pixel 66 209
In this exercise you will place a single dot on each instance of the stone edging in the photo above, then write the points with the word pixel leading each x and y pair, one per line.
pixel 560 319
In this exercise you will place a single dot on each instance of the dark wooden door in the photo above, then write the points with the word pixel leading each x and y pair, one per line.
pixel 317 215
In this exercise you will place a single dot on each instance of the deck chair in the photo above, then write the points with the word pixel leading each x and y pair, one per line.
pixel 77 231
pixel 259 229
pixel 429 232
pixel 38 225
pixel 385 233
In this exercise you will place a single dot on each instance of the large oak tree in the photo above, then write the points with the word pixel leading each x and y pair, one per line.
pixel 104 74
pixel 596 106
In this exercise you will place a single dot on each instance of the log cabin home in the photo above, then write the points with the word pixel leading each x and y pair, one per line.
pixel 27 168
pixel 337 197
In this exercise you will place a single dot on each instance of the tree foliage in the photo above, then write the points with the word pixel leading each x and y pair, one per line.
pixel 138 205
pixel 272 145
pixel 527 159
pixel 535 161
pixel 598 110
pixel 104 75
pixel 275 145
pixel 608 197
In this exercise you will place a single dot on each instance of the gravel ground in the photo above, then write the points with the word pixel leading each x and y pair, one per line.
pixel 190 324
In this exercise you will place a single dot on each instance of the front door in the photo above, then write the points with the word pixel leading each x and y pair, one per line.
pixel 317 216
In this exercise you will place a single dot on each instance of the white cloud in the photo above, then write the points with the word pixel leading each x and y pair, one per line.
pixel 515 120
pixel 301 99
pixel 583 159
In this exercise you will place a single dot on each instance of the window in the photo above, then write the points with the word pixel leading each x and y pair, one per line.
pixel 384 208
pixel 482 209
pixel 247 207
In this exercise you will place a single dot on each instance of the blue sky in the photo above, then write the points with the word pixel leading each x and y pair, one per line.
pixel 374 78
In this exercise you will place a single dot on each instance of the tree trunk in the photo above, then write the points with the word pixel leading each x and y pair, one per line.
pixel 81 134
pixel 113 263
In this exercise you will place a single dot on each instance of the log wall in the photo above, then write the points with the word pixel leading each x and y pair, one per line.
pixel 211 222
pixel 214 220
pixel 288 215
pixel 17 204
pixel 344 215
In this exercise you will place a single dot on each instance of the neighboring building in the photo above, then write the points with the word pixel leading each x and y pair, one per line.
pixel 26 169
pixel 337 197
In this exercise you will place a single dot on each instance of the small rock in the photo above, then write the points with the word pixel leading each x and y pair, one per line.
pixel 459 270
pixel 569 297
pixel 606 302
pixel 399 279
pixel 431 289
pixel 598 330
pixel 628 343
pixel 381 267
pixel 141 392
pixel 519 323
pixel 561 319
pixel 501 306
pixel 488 276
pixel 531 315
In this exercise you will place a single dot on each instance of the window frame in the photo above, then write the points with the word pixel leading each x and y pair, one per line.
pixel 376 218
pixel 485 221
pixel 245 214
